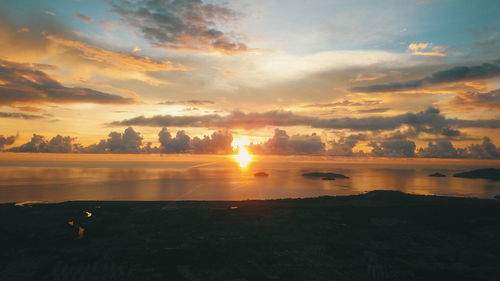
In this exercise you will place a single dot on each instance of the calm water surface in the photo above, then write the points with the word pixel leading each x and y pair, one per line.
pixel 62 177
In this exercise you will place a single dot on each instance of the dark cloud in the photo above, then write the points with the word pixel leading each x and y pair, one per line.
pixel 180 144
pixel 430 121
pixel 23 83
pixel 4 141
pixel 487 100
pixel 344 145
pixel 219 142
pixel 439 149
pixel 16 115
pixel 128 142
pixel 84 17
pixel 455 74
pixel 188 102
pixel 185 25
pixel 484 150
pixel 445 149
pixel 281 143
pixel 38 143
pixel 397 148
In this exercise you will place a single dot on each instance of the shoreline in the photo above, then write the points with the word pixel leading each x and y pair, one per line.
pixel 140 202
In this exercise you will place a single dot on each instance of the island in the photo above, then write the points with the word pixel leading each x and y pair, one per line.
pixel 488 173
pixel 438 175
pixel 325 176
pixel 261 174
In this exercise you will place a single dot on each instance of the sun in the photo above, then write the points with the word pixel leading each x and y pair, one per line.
pixel 242 156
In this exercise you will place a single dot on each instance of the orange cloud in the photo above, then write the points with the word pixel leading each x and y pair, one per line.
pixel 418 49
pixel 23 83
pixel 418 46
pixel 475 100
pixel 432 54
pixel 117 59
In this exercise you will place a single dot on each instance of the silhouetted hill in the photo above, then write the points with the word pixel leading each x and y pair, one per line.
pixel 488 173
pixel 380 235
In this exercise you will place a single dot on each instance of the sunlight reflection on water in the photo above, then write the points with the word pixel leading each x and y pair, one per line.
pixel 36 177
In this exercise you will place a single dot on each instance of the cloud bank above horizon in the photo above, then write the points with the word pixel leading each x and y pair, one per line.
pixel 406 75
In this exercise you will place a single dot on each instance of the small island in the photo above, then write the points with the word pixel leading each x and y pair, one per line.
pixel 325 176
pixel 438 175
pixel 261 175
pixel 488 173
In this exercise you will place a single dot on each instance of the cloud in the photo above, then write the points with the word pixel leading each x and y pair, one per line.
pixel 445 149
pixel 430 121
pixel 472 100
pixel 417 49
pixel 28 108
pixel 84 17
pixel 344 146
pixel 439 149
pixel 181 25
pixel 128 142
pixel 281 143
pixel 418 46
pixel 455 74
pixel 374 110
pixel 430 54
pixel 38 143
pixel 180 144
pixel 345 103
pixel 16 115
pixel 114 58
pixel 397 148
pixel 4 141
pixel 109 25
pixel 220 142
pixel 368 77
pixel 188 102
pixel 24 83
pixel 485 150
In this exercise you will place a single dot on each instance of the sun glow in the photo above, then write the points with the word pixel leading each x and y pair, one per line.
pixel 242 156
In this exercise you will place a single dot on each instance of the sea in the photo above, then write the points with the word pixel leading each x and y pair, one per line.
pixel 31 177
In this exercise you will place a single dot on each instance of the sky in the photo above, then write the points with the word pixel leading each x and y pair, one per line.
pixel 378 76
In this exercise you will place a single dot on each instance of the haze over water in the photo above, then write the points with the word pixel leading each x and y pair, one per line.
pixel 64 177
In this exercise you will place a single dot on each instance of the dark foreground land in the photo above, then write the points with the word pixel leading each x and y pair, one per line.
pixel 375 236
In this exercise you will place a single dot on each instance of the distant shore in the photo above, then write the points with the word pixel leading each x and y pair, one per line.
pixel 380 235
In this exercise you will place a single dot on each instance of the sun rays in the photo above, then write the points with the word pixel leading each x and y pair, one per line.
pixel 242 156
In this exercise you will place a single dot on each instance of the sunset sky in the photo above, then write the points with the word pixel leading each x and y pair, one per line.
pixel 352 72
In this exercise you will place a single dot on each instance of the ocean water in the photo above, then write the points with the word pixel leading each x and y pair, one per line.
pixel 63 177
